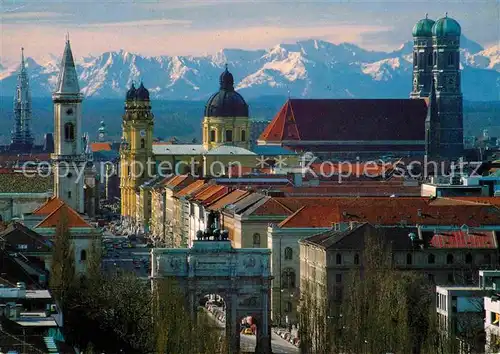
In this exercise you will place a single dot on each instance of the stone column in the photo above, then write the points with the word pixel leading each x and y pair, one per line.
pixel 264 331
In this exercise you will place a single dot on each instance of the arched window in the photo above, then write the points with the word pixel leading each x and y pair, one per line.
pixel 243 135
pixel 449 259
pixel 288 306
pixel 468 258
pixel 434 58
pixel 256 240
pixel 415 59
pixel 212 135
pixel 69 132
pixel 83 255
pixel 288 279
pixel 429 59
pixel 69 194
pixel 431 259
pixel 338 258
pixel 229 135
pixel 409 258
pixel 451 59
pixel 143 143
pixel 288 253
pixel 356 258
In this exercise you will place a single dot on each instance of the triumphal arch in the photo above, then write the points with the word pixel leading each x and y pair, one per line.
pixel 241 276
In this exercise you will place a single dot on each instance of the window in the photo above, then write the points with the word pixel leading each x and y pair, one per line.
pixel 356 258
pixel 83 255
pixel 288 279
pixel 69 132
pixel 338 278
pixel 409 259
pixel 229 135
pixel 451 59
pixel 468 258
pixel 434 58
pixel 243 135
pixel 451 278
pixel 143 143
pixel 256 240
pixel 69 194
pixel 212 135
pixel 487 259
pixel 449 259
pixel 338 259
pixel 429 59
pixel 431 259
pixel 288 306
pixel 430 277
pixel 414 59
pixel 288 253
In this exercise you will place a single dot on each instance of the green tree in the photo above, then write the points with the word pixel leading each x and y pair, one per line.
pixel 62 271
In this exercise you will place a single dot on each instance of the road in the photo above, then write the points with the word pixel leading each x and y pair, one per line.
pixel 247 342
pixel 135 259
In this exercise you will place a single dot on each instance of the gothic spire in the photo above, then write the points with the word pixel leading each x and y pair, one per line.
pixel 22 139
pixel 67 81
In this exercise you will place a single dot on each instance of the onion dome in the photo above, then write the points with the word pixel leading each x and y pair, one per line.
pixel 423 28
pixel 446 27
pixel 226 102
pixel 142 93
pixel 131 93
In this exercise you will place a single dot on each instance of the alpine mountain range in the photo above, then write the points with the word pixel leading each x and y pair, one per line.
pixel 309 69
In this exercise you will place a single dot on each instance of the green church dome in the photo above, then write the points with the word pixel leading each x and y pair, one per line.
pixel 445 27
pixel 423 28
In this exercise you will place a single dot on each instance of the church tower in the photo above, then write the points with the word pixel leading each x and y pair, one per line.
pixel 22 140
pixel 446 74
pixel 422 58
pixel 68 158
pixel 226 119
pixel 137 164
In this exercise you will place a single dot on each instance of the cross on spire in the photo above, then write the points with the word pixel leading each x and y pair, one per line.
pixel 426 15
pixel 446 14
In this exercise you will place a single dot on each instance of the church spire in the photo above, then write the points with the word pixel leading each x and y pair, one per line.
pixel 22 140
pixel 67 82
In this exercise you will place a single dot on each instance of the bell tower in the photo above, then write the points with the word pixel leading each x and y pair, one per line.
pixel 422 58
pixel 137 164
pixel 446 73
pixel 68 158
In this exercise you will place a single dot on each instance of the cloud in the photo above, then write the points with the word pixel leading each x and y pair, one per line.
pixel 12 15
pixel 141 23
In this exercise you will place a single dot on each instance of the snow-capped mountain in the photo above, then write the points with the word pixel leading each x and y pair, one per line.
pixel 311 68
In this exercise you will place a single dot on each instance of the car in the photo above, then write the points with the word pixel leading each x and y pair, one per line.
pixel 247 331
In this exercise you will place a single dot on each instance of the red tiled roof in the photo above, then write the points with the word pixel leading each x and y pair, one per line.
pixel 273 207
pixel 100 147
pixel 215 195
pixel 390 211
pixel 191 188
pixel 206 193
pixel 49 207
pixel 483 200
pixel 304 217
pixel 348 119
pixel 461 239
pixel 73 219
pixel 229 198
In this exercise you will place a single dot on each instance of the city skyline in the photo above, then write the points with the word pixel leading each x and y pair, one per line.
pixel 197 28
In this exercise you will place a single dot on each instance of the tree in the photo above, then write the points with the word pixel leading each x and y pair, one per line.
pixel 382 310
pixel 62 271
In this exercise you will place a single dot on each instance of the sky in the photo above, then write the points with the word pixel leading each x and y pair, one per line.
pixel 172 27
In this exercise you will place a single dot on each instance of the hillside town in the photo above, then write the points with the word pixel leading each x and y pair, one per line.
pixel 338 226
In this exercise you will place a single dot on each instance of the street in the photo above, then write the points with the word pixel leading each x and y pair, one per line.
pixel 121 255
pixel 247 342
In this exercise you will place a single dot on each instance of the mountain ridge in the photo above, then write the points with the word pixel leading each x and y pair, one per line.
pixel 309 68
